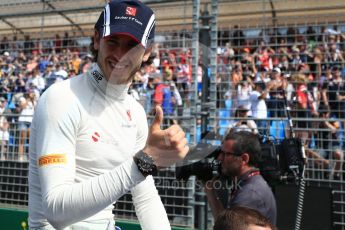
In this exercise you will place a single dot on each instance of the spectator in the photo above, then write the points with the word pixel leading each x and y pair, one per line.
pixel 167 96
pixel 333 91
pixel 243 91
pixel 242 123
pixel 4 128
pixel 71 73
pixel 182 82
pixel 36 81
pixel 86 63
pixel 5 83
pixel 75 62
pixel 277 87
pixel 263 53
pixel 328 142
pixel 32 64
pixel 258 105
pixel 296 59
pixel 20 84
pixel 60 73
pixel 4 137
pixel 303 107
pixel 26 111
pixel 43 63
pixel 316 65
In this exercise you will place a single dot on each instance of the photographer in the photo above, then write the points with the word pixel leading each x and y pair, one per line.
pixel 239 156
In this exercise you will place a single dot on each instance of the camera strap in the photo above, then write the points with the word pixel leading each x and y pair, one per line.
pixel 253 173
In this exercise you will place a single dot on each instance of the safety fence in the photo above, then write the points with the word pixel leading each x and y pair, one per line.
pixel 246 55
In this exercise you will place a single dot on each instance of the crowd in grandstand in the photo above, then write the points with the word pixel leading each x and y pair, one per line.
pixel 306 68
pixel 253 77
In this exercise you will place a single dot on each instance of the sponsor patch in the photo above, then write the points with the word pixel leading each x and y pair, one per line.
pixel 52 159
pixel 97 76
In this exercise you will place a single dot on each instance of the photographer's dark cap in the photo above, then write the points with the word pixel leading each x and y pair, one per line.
pixel 127 17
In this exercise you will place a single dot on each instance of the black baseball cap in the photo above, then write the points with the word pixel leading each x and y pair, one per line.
pixel 336 67
pixel 261 84
pixel 127 17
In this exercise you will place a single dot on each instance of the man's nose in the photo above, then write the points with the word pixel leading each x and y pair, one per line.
pixel 120 53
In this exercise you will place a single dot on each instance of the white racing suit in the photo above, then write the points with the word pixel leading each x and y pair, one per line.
pixel 83 137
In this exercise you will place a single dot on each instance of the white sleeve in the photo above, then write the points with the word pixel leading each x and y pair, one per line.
pixel 254 97
pixel 254 127
pixel 177 96
pixel 64 201
pixel 148 205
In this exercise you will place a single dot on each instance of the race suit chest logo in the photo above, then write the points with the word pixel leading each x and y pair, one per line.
pixel 129 123
pixel 129 115
pixel 97 76
pixel 96 137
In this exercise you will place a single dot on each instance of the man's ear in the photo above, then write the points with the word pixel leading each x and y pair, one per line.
pixel 96 40
pixel 147 53
pixel 245 158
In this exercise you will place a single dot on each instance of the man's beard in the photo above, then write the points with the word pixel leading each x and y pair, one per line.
pixel 232 171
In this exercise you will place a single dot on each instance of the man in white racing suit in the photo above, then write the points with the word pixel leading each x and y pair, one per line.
pixel 90 142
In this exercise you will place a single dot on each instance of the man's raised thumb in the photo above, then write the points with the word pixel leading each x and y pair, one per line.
pixel 156 124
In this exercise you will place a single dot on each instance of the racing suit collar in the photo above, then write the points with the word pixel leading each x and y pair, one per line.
pixel 98 79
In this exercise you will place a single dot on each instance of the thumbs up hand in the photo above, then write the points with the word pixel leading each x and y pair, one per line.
pixel 168 146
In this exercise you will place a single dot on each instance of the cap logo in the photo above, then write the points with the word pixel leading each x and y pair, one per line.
pixel 131 11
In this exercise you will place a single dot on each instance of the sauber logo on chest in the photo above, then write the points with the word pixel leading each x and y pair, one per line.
pixel 131 11
pixel 95 137
pixel 97 76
